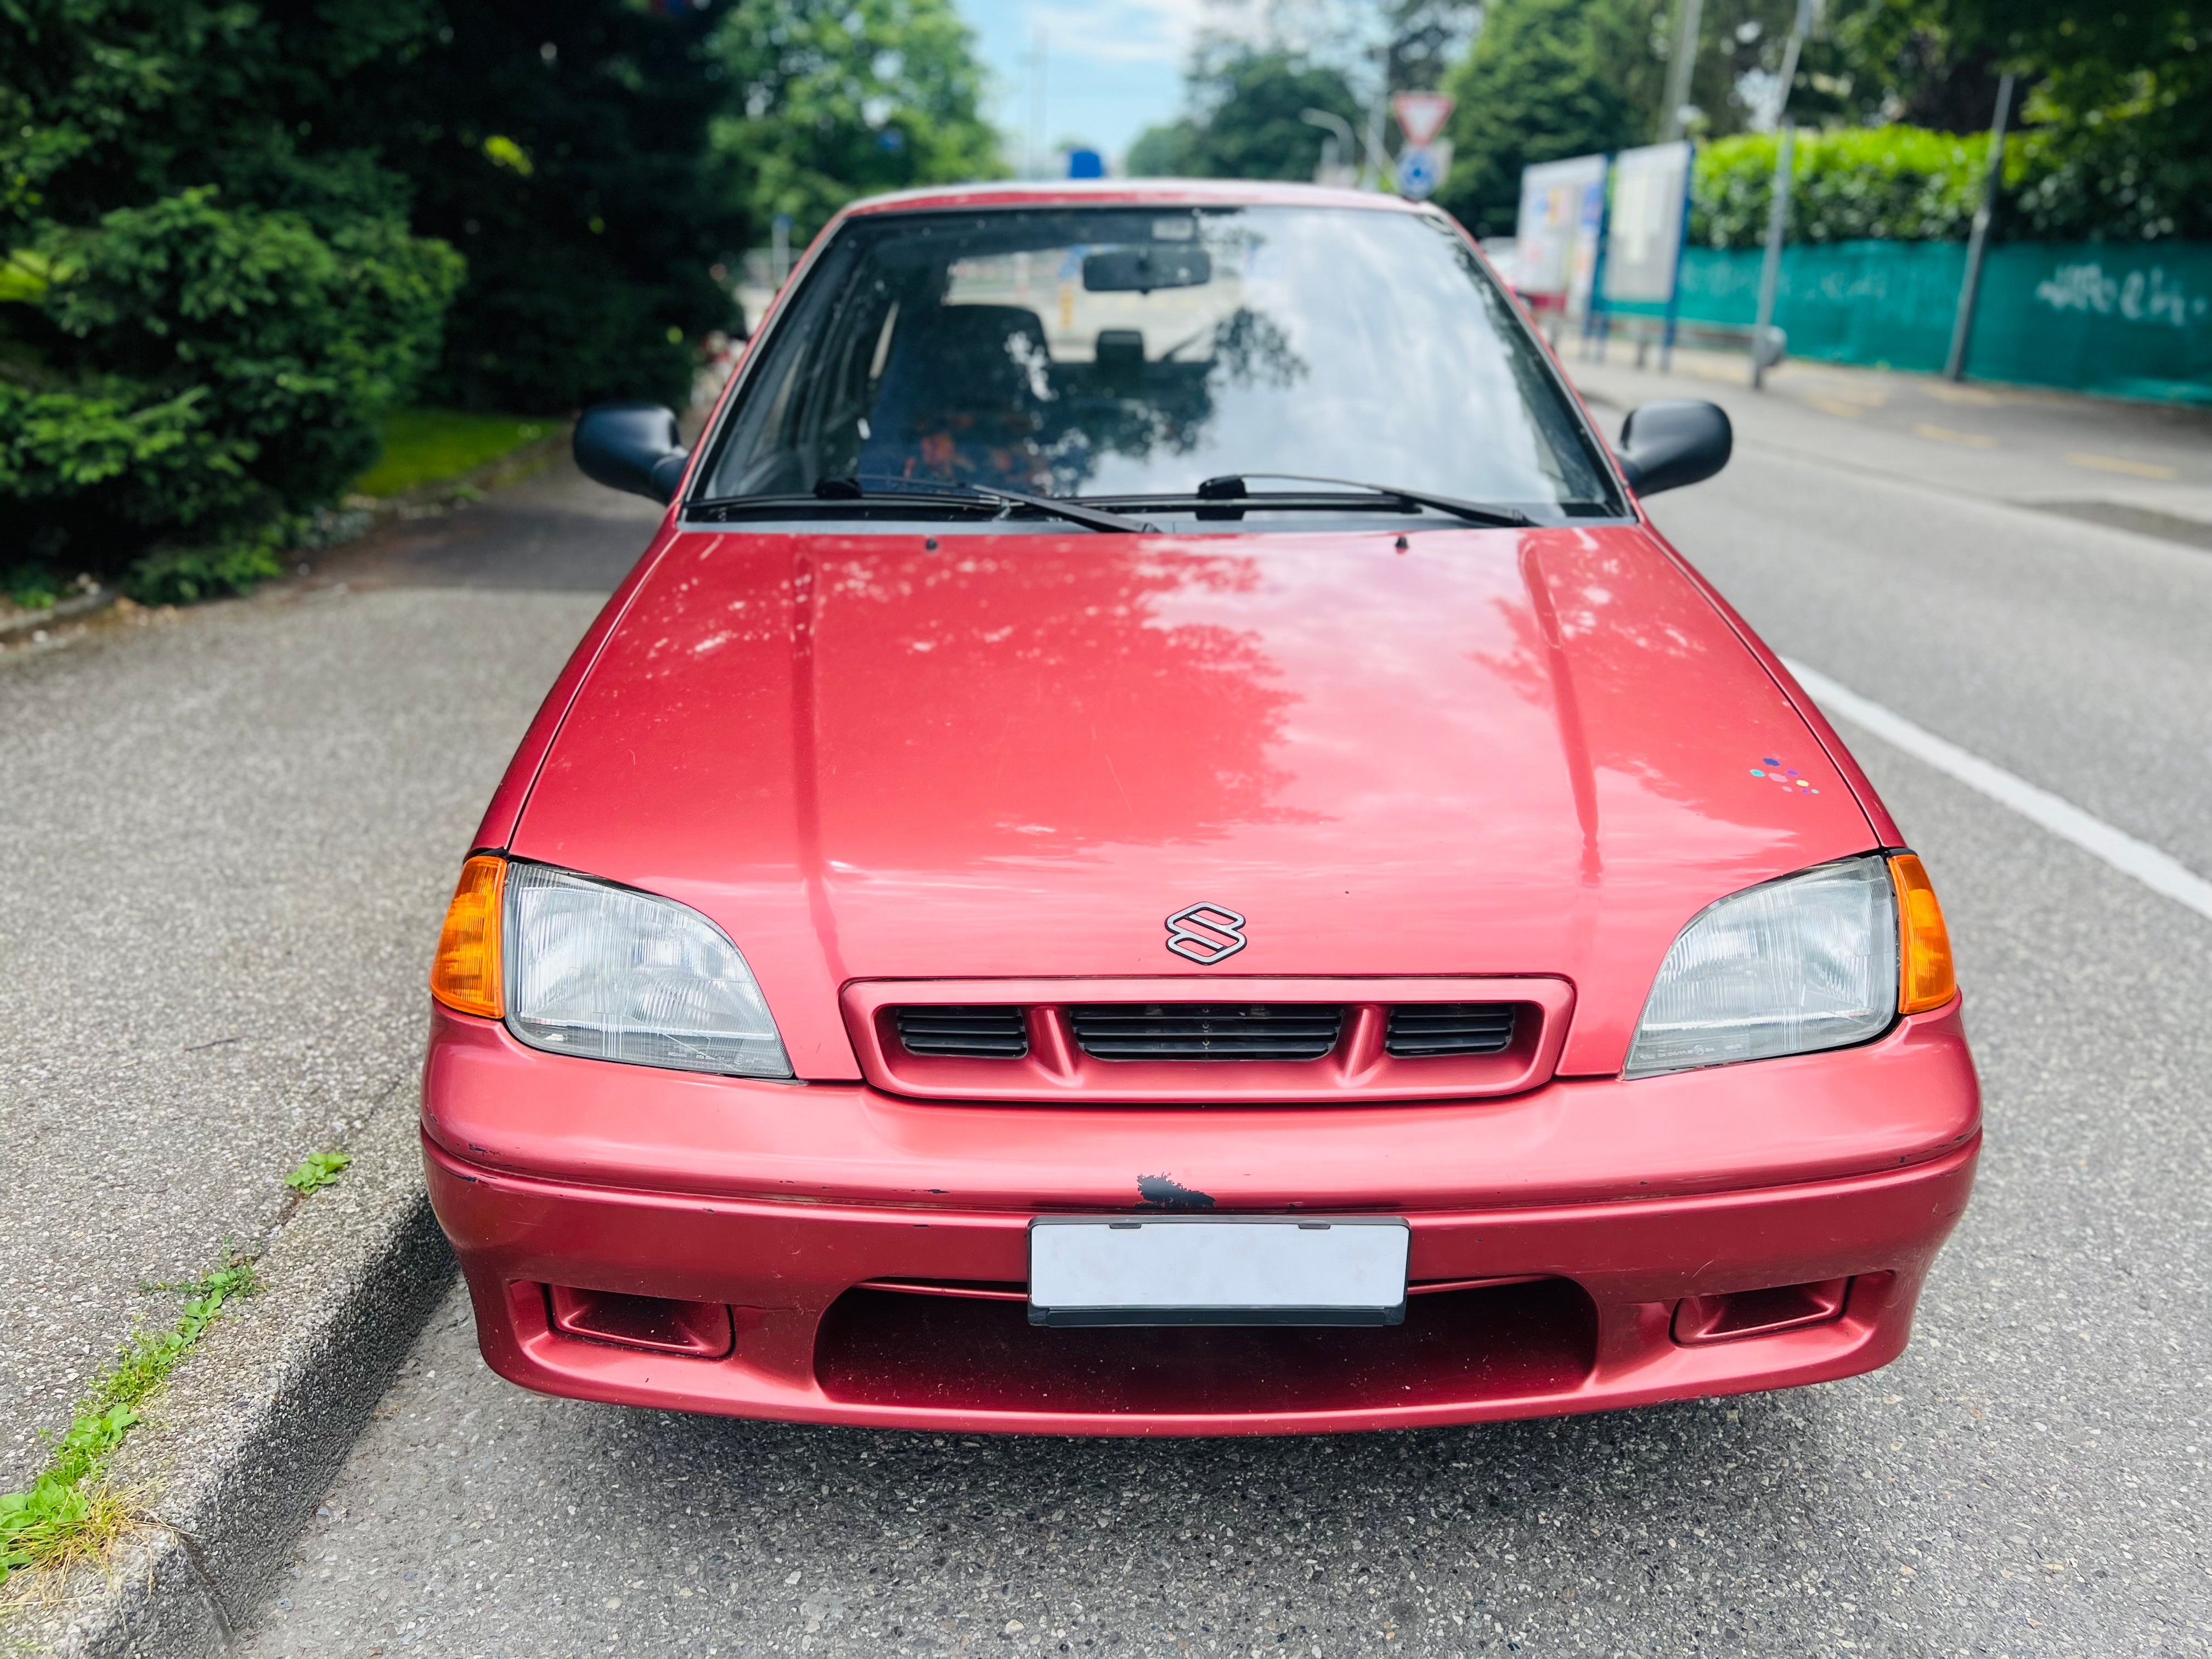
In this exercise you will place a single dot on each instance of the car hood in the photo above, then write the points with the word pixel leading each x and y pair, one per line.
pixel 1015 755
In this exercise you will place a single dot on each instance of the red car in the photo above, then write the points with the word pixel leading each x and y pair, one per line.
pixel 1157 846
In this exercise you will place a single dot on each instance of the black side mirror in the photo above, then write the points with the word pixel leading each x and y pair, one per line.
pixel 633 447
pixel 1665 445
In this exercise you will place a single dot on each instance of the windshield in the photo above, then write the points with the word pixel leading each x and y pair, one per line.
pixel 1111 353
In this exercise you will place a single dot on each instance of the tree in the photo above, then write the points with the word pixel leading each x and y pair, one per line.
pixel 2113 110
pixel 562 146
pixel 826 100
pixel 1427 37
pixel 1247 123
pixel 210 295
pixel 2113 120
pixel 1163 151
pixel 1546 79
pixel 2120 110
pixel 1898 61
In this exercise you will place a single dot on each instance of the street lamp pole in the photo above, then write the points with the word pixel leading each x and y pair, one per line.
pixel 1371 175
pixel 1338 128
pixel 1680 68
pixel 1970 290
pixel 1763 349
pixel 1035 169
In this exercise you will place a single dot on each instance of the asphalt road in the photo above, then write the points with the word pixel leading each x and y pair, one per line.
pixel 2028 1480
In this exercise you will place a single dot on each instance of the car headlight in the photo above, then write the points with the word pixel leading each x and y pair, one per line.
pixel 1789 967
pixel 582 967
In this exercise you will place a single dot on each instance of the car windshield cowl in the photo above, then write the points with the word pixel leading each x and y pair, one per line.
pixel 1015 351
pixel 1232 486
pixel 866 486
pixel 1394 505
pixel 1179 514
pixel 847 497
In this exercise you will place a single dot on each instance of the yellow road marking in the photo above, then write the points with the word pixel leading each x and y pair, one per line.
pixel 2115 463
pixel 1835 406
pixel 1943 434
pixel 1973 396
pixel 1727 374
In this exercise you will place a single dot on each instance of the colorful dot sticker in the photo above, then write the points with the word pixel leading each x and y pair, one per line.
pixel 1771 769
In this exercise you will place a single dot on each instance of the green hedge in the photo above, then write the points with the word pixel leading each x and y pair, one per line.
pixel 226 370
pixel 1911 185
pixel 1896 183
pixel 210 295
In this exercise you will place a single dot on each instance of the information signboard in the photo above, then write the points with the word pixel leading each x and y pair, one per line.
pixel 1556 239
pixel 1643 232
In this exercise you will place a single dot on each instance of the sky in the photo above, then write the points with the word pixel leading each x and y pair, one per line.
pixel 1112 68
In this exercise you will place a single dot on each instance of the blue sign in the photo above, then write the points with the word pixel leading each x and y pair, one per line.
pixel 1418 172
pixel 1086 164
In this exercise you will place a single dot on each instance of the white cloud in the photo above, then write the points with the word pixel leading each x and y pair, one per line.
pixel 1116 66
pixel 1119 31
pixel 1161 31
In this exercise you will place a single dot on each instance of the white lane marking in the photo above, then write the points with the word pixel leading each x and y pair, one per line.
pixel 2157 870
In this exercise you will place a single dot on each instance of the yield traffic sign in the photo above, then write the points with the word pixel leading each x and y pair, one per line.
pixel 1421 115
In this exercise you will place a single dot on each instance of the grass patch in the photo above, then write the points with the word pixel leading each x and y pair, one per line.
pixel 69 1513
pixel 33 587
pixel 187 575
pixel 317 1172
pixel 430 445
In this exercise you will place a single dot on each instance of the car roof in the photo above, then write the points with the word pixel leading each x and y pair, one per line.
pixel 1127 193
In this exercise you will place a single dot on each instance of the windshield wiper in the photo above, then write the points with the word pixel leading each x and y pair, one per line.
pixel 1095 518
pixel 724 506
pixel 1230 487
pixel 1090 518
pixel 971 498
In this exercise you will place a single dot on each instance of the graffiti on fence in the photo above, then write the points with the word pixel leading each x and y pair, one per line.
pixel 2140 296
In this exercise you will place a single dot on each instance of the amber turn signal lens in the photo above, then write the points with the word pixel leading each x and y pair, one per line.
pixel 1926 978
pixel 465 976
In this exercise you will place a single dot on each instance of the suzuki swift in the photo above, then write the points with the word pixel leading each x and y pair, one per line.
pixel 1157 845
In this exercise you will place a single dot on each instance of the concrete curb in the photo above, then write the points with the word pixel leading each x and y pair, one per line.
pixel 70 609
pixel 251 1431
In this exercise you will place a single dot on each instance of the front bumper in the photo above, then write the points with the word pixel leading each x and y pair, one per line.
pixel 1561 1228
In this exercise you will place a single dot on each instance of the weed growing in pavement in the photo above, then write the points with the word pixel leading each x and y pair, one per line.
pixel 71 1513
pixel 318 1172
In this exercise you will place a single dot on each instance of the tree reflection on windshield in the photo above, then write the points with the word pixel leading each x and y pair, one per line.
pixel 1019 349
pixel 1163 409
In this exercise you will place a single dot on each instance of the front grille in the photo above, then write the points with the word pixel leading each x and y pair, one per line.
pixel 1206 1031
pixel 1419 1031
pixel 968 1031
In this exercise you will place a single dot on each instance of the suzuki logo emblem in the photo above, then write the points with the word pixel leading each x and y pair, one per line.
pixel 1206 933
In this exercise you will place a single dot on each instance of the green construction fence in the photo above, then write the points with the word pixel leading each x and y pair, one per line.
pixel 2120 319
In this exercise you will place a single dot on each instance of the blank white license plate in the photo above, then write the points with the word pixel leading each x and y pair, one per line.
pixel 1225 1270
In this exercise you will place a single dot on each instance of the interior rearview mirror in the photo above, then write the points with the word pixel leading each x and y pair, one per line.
pixel 1665 445
pixel 1141 270
pixel 632 447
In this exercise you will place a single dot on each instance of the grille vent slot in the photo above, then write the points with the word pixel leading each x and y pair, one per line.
pixel 1419 1031
pixel 964 1031
pixel 1206 1031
